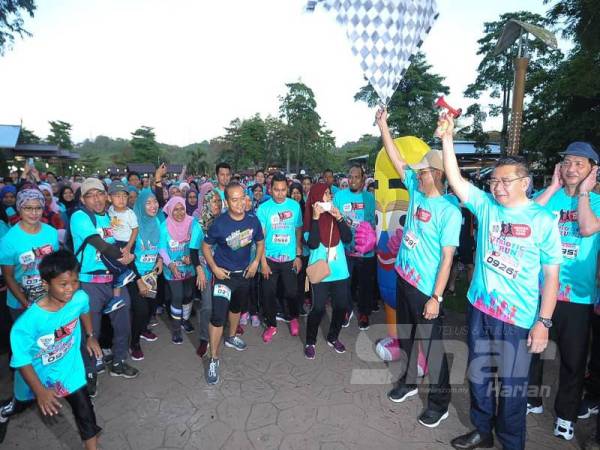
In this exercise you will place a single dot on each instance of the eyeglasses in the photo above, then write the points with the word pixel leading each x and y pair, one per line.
pixel 505 183
pixel 32 209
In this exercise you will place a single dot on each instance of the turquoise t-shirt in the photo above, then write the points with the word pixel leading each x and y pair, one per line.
pixel 578 269
pixel 196 244
pixel 176 250
pixel 93 269
pixel 279 222
pixel 146 253
pixel 356 207
pixel 50 342
pixel 337 260
pixel 431 224
pixel 512 246
pixel 24 251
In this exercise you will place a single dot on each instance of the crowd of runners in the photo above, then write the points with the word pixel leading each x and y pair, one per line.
pixel 89 264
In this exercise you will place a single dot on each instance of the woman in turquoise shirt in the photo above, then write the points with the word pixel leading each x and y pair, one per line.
pixel 327 234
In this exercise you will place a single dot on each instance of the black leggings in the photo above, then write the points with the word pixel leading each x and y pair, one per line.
pixel 141 309
pixel 280 271
pixel 338 292
pixel 228 296
pixel 182 294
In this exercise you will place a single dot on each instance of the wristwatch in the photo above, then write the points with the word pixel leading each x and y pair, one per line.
pixel 439 298
pixel 546 322
pixel 584 194
pixel 89 335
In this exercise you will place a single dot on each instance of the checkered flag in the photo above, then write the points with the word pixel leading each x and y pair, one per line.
pixel 384 35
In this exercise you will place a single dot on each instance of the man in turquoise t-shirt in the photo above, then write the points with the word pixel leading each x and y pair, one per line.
pixel 89 240
pixel 281 221
pixel 431 235
pixel 570 198
pixel 356 206
pixel 516 240
pixel 223 172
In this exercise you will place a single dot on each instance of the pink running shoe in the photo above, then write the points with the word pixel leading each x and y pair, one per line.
pixel 388 349
pixel 255 321
pixel 294 327
pixel 268 334
pixel 244 319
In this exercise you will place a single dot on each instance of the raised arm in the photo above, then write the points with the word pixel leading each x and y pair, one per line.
pixel 554 187
pixel 459 185
pixel 589 223
pixel 390 148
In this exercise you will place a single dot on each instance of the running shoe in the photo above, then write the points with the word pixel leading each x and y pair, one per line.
pixel 202 349
pixel 148 336
pixel 236 343
pixel 564 429
pixel 363 322
pixel 588 408
pixel 153 322
pixel 281 317
pixel 309 351
pixel 113 305
pixel 255 321
pixel 187 326
pixel 337 346
pixel 176 338
pixel 125 278
pixel 244 318
pixel 402 392
pixel 212 371
pixel 268 334
pixel 535 409
pixel 294 327
pixel 432 419
pixel 136 352
pixel 92 384
pixel 347 319
pixel 122 369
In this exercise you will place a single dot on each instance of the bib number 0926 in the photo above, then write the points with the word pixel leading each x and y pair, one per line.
pixel 501 267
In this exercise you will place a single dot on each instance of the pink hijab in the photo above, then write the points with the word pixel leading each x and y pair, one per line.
pixel 204 189
pixel 180 231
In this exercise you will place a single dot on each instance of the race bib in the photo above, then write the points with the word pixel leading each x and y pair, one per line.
pixel 281 239
pixel 32 286
pixel 410 240
pixel 220 290
pixel 570 251
pixel 505 266
pixel 347 207
pixel 27 258
pixel 148 258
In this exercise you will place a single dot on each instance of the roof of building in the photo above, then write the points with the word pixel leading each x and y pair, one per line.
pixel 9 135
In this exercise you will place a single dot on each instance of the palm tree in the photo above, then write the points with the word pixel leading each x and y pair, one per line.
pixel 196 163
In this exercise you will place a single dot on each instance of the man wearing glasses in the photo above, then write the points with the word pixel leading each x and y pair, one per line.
pixel 431 235
pixel 516 240
pixel 92 236
pixel 570 198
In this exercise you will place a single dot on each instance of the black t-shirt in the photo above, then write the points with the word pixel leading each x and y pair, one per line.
pixel 233 240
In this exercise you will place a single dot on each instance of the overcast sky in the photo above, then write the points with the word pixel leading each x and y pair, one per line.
pixel 188 67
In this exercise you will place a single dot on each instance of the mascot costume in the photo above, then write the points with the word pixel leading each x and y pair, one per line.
pixel 391 203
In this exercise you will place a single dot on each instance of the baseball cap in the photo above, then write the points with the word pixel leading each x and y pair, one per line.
pixel 90 184
pixel 117 186
pixel 584 149
pixel 433 159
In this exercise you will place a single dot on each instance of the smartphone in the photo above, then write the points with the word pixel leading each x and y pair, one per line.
pixel 325 205
pixel 30 162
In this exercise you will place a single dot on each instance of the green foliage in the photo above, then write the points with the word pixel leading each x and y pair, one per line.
pixel 11 21
pixel 144 145
pixel 495 73
pixel 28 137
pixel 196 162
pixel 565 105
pixel 60 134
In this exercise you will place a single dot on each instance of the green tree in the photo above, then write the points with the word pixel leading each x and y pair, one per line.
pixel 11 21
pixel 60 134
pixel 411 109
pixel 565 104
pixel 145 147
pixel 298 109
pixel 196 162
pixel 495 73
pixel 27 136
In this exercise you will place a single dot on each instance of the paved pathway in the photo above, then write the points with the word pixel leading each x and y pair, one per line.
pixel 270 397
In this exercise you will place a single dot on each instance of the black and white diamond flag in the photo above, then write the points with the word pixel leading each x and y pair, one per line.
pixel 384 35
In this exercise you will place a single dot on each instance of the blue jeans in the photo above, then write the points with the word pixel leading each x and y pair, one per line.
pixel 498 349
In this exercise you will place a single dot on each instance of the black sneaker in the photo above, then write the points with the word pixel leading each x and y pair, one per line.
pixel 3 427
pixel 588 408
pixel 122 369
pixel 402 392
pixel 363 322
pixel 347 318
pixel 176 338
pixel 187 326
pixel 432 419
pixel 92 384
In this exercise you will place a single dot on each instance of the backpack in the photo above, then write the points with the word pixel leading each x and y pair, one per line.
pixel 69 237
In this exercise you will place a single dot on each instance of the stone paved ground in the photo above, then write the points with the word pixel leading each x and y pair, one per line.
pixel 270 397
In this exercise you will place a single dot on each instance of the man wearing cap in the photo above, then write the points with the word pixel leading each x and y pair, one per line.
pixel 431 235
pixel 570 198
pixel 92 236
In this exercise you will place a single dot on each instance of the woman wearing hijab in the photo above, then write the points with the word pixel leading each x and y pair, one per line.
pixel 18 260
pixel 302 297
pixel 327 232
pixel 66 203
pixel 174 249
pixel 8 197
pixel 147 260
pixel 51 214
pixel 211 208
pixel 191 202
pixel 132 195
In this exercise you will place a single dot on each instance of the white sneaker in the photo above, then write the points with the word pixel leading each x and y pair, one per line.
pixel 563 429
pixel 534 409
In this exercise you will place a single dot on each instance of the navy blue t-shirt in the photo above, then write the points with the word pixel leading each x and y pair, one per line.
pixel 233 240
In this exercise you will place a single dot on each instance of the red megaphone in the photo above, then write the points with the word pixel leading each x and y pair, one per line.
pixel 441 103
